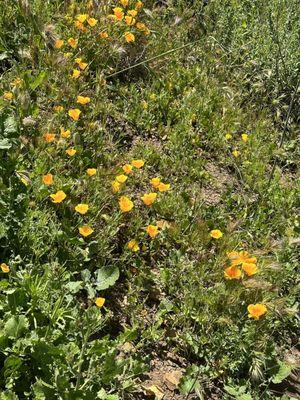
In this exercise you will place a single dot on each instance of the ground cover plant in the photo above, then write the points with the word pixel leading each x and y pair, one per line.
pixel 149 199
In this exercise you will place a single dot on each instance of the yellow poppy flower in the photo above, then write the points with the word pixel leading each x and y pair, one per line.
pixel 103 35
pixel 82 65
pixel 129 20
pixel 5 268
pixel 49 137
pixel 80 26
pixel 73 42
pixel 149 198
pixel 75 73
pixel 17 82
pixel 129 37
pixel 58 43
pixel 82 18
pixel 74 113
pixel 83 100
pixel 152 230
pixel 124 3
pixel 48 179
pixel 125 204
pixel 118 13
pixel 58 109
pixel 8 96
pixel 256 310
pixel 116 186
pixel 163 187
pixel 236 153
pixel 82 208
pixel 155 182
pixel 127 168
pixel 241 257
pixel 232 272
pixel 71 152
pixel 121 178
pixel 133 245
pixel 141 26
pixel 92 22
pixel 65 134
pixel 99 302
pixel 249 268
pixel 85 230
pixel 245 137
pixel 58 197
pixel 228 136
pixel 138 163
pixel 132 13
pixel 216 234
pixel 91 171
pixel 138 5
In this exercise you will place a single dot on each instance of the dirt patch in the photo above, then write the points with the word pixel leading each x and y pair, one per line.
pixel 219 182
pixel 163 379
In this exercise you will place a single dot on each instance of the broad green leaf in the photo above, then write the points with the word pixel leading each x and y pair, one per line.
pixel 106 277
pixel 10 126
pixel 283 372
pixel 245 397
pixel 74 287
pixel 5 144
pixel 231 390
pixel 15 326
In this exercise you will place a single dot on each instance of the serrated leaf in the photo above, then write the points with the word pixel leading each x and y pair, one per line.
pixel 283 372
pixel 106 277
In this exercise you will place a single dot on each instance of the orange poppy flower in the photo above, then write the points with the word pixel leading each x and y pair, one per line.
pixel 82 208
pixel 85 230
pixel 232 272
pixel 48 179
pixel 49 137
pixel 125 204
pixel 149 198
pixel 58 197
pixel 256 310
pixel 74 113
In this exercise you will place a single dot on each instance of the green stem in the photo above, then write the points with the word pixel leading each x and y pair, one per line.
pixel 152 58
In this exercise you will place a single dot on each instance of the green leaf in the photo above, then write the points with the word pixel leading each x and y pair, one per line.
pixel 283 372
pixel 74 287
pixel 107 276
pixel 231 390
pixel 16 326
pixel 10 126
pixel 38 80
pixel 245 397
pixel 5 144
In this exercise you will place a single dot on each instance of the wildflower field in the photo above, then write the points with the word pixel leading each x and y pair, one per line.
pixel 149 199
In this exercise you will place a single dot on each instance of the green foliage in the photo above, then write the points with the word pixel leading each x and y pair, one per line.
pixel 233 71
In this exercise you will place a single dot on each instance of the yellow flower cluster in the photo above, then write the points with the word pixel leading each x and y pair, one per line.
pixel 128 18
pixel 240 261
pixel 148 199
pixel 244 137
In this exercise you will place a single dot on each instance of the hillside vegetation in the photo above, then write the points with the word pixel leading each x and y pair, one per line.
pixel 149 199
